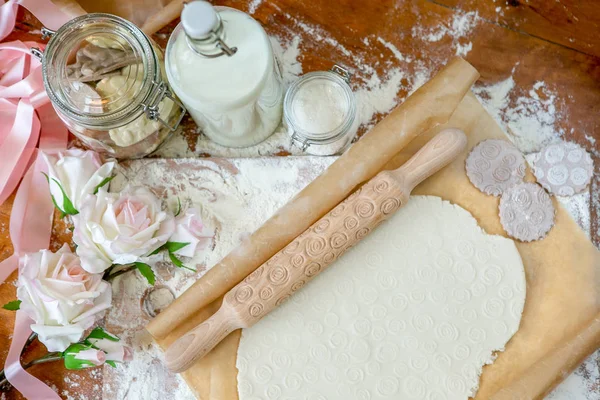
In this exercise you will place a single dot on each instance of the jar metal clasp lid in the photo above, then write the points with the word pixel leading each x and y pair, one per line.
pixel 341 71
pixel 36 51
pixel 159 92
pixel 204 30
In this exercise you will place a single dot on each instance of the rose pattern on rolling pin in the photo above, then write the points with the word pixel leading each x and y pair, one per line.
pixel 495 165
pixel 369 336
pixel 318 247
pixel 563 169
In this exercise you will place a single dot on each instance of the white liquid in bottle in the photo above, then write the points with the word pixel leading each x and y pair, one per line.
pixel 220 64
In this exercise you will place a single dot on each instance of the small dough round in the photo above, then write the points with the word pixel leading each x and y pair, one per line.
pixel 526 212
pixel 564 169
pixel 413 311
pixel 494 166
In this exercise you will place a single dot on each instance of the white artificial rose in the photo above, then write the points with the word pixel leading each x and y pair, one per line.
pixel 61 297
pixel 190 229
pixel 119 228
pixel 78 172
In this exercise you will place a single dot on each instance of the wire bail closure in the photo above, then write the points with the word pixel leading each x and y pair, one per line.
pixel 151 107
pixel 215 36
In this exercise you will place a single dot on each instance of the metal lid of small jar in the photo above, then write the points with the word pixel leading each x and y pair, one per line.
pixel 140 90
pixel 304 138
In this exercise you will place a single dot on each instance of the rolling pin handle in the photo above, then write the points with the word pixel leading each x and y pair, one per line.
pixel 435 155
pixel 202 339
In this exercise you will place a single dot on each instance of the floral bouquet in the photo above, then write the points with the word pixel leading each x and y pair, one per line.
pixel 65 293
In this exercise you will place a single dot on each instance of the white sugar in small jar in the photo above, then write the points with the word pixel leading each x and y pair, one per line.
pixel 320 112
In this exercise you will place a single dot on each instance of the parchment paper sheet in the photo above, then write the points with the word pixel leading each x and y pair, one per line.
pixel 562 280
pixel 562 270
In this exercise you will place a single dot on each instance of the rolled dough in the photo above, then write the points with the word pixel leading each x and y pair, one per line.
pixel 412 312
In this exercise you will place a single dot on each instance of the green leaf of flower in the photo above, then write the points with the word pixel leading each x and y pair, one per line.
pixel 178 262
pixel 67 204
pixel 178 207
pixel 73 363
pixel 100 333
pixel 111 363
pixel 104 182
pixel 172 247
pixel 161 248
pixel 62 213
pixel 12 305
pixel 146 272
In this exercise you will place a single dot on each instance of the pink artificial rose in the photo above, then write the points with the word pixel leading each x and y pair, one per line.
pixel 119 228
pixel 60 296
pixel 190 229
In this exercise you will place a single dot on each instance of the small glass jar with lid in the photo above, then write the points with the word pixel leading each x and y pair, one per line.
pixel 106 81
pixel 320 112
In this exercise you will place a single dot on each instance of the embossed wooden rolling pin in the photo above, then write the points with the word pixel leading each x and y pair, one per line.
pixel 315 249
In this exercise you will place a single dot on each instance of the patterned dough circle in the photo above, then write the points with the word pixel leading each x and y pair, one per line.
pixel 564 169
pixel 417 325
pixel 526 212
pixel 494 166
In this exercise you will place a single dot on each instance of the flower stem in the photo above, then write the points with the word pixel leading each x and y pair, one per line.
pixel 108 276
pixel 50 357
pixel 30 340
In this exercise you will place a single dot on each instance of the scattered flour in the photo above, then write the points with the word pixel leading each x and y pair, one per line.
pixel 145 377
pixel 393 49
pixel 529 120
pixel 254 4
pixel 578 205
pixel 582 384
pixel 460 28
pixel 378 97
pixel 462 25
pixel 463 50
pixel 590 139
pixel 419 77
pixel 287 54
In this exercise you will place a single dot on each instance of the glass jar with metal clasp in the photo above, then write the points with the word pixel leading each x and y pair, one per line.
pixel 320 112
pixel 106 81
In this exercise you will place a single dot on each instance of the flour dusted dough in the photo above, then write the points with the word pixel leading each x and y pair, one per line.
pixel 412 312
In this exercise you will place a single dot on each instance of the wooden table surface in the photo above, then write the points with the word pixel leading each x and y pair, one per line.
pixel 557 42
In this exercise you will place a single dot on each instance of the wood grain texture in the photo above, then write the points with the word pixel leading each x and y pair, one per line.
pixel 316 249
pixel 533 38
pixel 570 23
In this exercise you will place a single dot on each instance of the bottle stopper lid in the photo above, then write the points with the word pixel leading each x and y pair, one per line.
pixel 199 19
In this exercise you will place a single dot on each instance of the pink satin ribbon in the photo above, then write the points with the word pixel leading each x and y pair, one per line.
pixel 28 124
